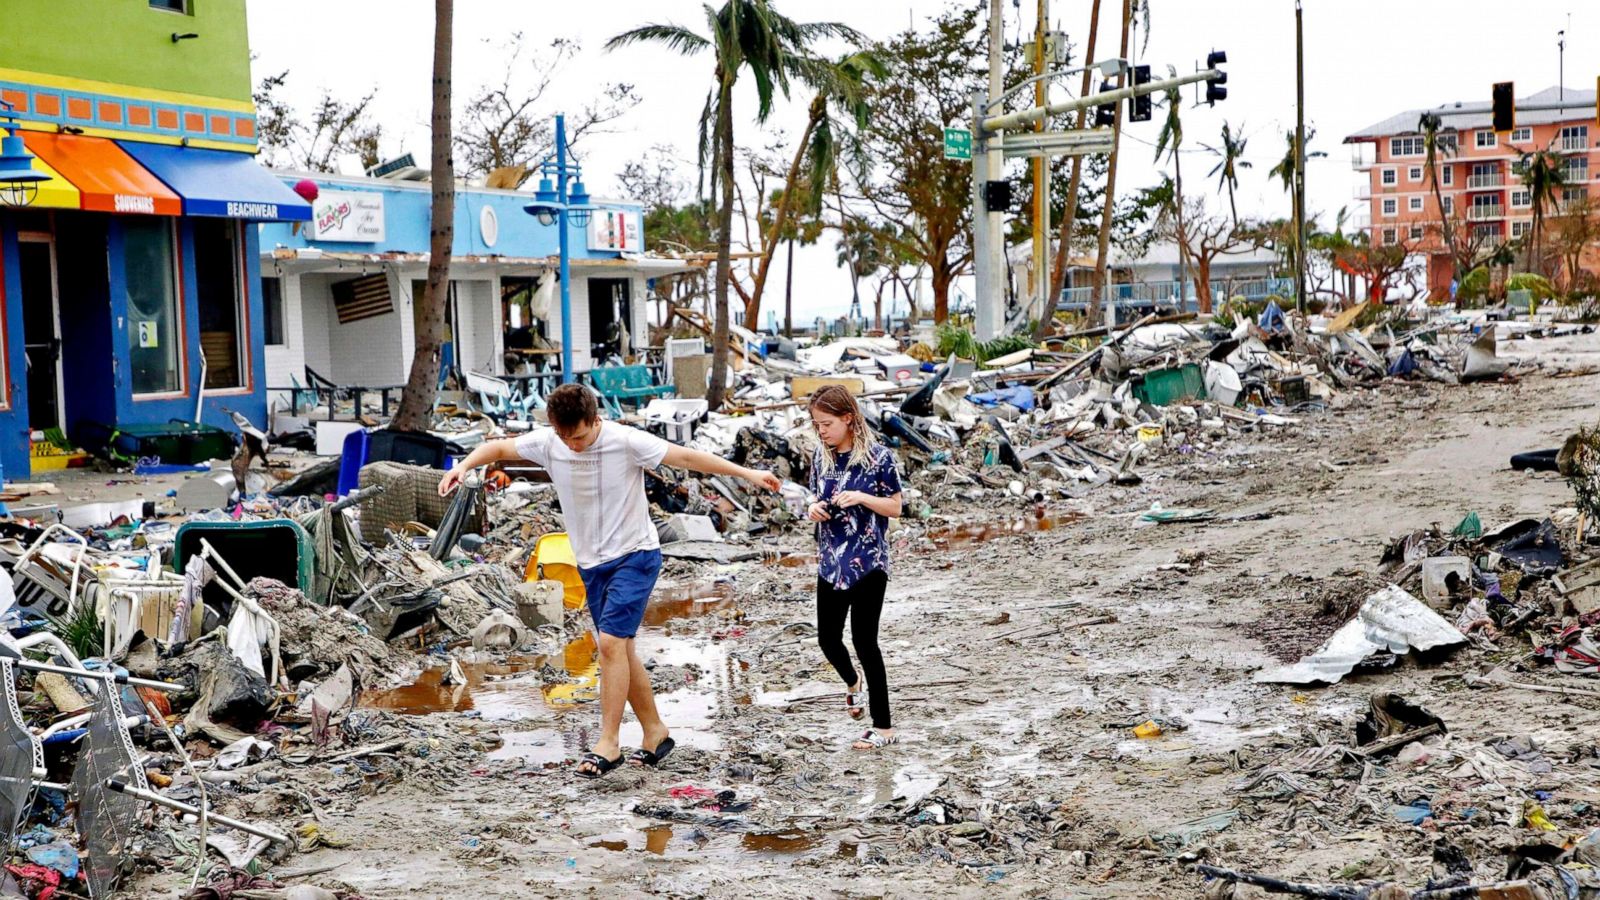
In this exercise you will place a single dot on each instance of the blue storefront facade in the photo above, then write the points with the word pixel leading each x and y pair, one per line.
pixel 130 279
pixel 345 289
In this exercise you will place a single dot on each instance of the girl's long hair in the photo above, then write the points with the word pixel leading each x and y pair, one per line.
pixel 836 401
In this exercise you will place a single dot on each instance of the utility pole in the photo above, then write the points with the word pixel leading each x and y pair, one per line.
pixel 987 159
pixel 1101 273
pixel 1299 164
pixel 1041 170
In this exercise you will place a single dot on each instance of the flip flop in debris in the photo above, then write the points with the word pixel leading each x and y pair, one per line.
pixel 597 765
pixel 643 757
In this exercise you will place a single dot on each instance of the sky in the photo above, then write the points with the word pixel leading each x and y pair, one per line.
pixel 1364 61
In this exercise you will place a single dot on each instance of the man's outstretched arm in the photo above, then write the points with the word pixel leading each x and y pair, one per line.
pixel 710 464
pixel 481 455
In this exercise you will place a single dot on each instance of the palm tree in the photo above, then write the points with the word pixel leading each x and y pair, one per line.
pixel 743 35
pixel 840 84
pixel 858 252
pixel 1231 159
pixel 1542 175
pixel 1168 142
pixel 1431 126
pixel 1285 171
pixel 415 412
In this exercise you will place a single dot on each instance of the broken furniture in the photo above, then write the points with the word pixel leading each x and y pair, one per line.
pixel 327 392
pixel 618 383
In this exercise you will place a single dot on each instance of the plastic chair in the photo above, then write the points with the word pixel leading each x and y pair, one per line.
pixel 496 399
pixel 553 559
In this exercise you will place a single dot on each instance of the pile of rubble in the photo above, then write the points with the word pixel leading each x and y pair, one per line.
pixel 188 673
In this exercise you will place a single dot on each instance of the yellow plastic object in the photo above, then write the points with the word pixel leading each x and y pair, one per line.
pixel 1147 730
pixel 1534 816
pixel 552 558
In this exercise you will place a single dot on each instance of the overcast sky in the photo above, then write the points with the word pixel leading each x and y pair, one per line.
pixel 1365 60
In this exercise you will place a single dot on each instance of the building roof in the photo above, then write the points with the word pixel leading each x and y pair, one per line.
pixel 1464 115
pixel 1159 253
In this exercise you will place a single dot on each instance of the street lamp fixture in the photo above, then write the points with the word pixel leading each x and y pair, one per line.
pixel 19 180
pixel 562 200
pixel 546 205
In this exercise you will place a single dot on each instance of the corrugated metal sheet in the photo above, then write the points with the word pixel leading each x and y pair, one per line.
pixel 1391 620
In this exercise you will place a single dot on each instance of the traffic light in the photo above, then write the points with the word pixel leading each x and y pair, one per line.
pixel 1105 113
pixel 1140 111
pixel 1214 89
pixel 1504 115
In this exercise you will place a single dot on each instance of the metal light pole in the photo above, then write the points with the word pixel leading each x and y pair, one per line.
pixel 555 204
pixel 565 262
pixel 1299 164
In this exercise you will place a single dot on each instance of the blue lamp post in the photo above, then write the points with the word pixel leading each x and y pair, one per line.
pixel 19 180
pixel 554 203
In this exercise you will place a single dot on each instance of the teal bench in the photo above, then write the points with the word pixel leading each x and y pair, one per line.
pixel 618 383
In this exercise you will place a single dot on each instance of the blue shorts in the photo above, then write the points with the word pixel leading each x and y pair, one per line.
pixel 619 589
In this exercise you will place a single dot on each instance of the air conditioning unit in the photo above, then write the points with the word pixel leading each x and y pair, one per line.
pixel 401 168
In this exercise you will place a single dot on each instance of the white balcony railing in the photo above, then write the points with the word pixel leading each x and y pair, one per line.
pixel 1487 180
pixel 1575 142
pixel 1484 212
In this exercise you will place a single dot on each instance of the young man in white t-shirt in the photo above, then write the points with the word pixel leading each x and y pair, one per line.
pixel 598 471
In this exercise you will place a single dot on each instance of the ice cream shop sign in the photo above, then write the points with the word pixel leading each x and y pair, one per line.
pixel 355 216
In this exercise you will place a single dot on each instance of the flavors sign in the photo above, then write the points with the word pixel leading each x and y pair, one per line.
pixel 615 229
pixel 355 216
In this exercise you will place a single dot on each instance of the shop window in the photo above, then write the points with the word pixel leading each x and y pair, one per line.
pixel 216 270
pixel 272 310
pixel 154 353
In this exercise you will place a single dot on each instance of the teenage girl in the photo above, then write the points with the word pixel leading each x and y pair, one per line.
pixel 858 491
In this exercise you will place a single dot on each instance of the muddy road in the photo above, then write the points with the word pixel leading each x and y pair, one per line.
pixel 1024 645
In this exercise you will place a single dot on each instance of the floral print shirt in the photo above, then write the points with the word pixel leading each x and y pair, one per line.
pixel 853 542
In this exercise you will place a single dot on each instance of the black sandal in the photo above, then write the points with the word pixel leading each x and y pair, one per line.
pixel 602 766
pixel 652 758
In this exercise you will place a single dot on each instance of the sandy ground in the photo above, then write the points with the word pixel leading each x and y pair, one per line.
pixel 1020 656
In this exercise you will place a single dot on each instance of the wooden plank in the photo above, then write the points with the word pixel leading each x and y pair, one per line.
pixel 803 386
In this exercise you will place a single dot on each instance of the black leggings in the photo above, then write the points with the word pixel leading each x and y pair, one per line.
pixel 864 602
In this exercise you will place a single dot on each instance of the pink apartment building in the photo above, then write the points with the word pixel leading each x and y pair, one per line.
pixel 1479 181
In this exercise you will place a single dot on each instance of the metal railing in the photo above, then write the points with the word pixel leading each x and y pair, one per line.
pixel 1166 293
pixel 1479 213
pixel 1575 142
pixel 1486 180
pixel 1364 191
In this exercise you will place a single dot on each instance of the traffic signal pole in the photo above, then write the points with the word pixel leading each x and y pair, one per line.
pixel 991 146
pixel 987 165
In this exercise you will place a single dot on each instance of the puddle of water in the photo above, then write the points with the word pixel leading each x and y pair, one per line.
pixel 497 692
pixel 658 839
pixel 650 840
pixel 957 536
pixel 781 843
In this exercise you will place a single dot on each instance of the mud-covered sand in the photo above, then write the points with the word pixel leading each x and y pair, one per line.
pixel 1020 658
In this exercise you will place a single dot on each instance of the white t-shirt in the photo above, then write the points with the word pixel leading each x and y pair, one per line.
pixel 601 489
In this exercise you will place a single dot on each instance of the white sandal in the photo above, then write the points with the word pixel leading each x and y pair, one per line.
pixel 855 702
pixel 877 739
